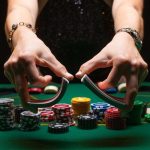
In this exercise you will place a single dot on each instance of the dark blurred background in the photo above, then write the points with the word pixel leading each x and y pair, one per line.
pixel 5 51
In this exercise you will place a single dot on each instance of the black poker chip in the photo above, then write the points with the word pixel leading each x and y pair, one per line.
pixel 58 128
pixel 87 121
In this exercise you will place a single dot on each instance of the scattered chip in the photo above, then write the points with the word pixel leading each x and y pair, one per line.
pixel 50 89
pixel 58 128
pixel 122 87
pixel 35 90
pixel 111 90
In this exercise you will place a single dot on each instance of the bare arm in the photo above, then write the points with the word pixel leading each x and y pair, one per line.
pixel 128 13
pixel 28 50
pixel 21 11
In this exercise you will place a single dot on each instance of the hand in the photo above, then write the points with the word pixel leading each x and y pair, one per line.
pixel 125 60
pixel 30 52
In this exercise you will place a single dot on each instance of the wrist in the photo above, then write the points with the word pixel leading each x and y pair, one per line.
pixel 135 36
pixel 123 36
pixel 22 34
pixel 19 31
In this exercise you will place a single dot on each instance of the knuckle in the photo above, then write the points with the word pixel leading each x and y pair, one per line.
pixel 121 60
pixel 25 58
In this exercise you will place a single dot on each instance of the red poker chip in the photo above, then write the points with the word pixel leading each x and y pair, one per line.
pixel 61 106
pixel 35 90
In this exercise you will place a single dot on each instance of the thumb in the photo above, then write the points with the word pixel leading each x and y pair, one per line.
pixel 92 65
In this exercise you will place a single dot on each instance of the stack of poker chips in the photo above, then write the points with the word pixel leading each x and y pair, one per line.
pixel 135 115
pixel 58 127
pixel 114 119
pixel 63 113
pixel 99 109
pixel 87 121
pixel 46 114
pixel 29 121
pixel 80 105
pixel 18 110
pixel 6 114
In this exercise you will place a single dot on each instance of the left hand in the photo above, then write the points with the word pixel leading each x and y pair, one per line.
pixel 122 54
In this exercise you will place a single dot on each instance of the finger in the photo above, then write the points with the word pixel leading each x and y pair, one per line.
pixel 92 65
pixel 22 88
pixel 9 74
pixel 53 64
pixel 132 88
pixel 112 79
pixel 9 77
pixel 34 76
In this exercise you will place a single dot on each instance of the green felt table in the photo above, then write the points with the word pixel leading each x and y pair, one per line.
pixel 134 137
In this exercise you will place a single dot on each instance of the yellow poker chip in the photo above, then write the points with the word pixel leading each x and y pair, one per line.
pixel 80 105
pixel 80 99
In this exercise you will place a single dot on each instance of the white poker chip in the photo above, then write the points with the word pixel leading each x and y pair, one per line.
pixel 148 110
pixel 50 89
pixel 122 87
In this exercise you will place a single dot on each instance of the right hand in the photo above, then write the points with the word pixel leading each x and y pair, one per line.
pixel 30 52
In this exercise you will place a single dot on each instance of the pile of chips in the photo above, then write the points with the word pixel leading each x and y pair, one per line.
pixel 29 121
pixel 6 114
pixel 80 105
pixel 63 113
pixel 114 120
pixel 18 110
pixel 46 114
pixel 136 113
pixel 87 121
pixel 99 109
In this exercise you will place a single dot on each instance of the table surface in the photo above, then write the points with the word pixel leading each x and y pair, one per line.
pixel 135 137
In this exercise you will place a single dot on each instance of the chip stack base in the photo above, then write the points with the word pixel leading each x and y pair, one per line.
pixel 7 120
pixel 58 128
pixel 80 106
pixel 136 113
pixel 29 121
pixel 113 119
pixel 63 113
pixel 87 121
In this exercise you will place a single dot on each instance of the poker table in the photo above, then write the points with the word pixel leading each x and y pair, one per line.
pixel 135 137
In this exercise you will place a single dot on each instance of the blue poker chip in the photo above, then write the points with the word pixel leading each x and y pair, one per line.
pixel 111 90
pixel 100 105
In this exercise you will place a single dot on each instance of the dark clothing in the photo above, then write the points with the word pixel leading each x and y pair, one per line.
pixel 75 30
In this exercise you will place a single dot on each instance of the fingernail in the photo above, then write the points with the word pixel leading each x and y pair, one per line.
pixel 79 73
pixel 68 75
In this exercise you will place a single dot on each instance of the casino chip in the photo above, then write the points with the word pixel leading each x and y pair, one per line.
pixel 99 109
pixel 80 105
pixel 122 87
pixel 51 89
pixel 35 90
pixel 29 121
pixel 18 110
pixel 47 115
pixel 63 113
pixel 136 113
pixel 87 121
pixel 114 119
pixel 147 118
pixel 6 114
pixel 111 90
pixel 58 127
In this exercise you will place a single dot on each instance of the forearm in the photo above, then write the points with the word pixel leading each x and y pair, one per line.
pixel 127 13
pixel 21 11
